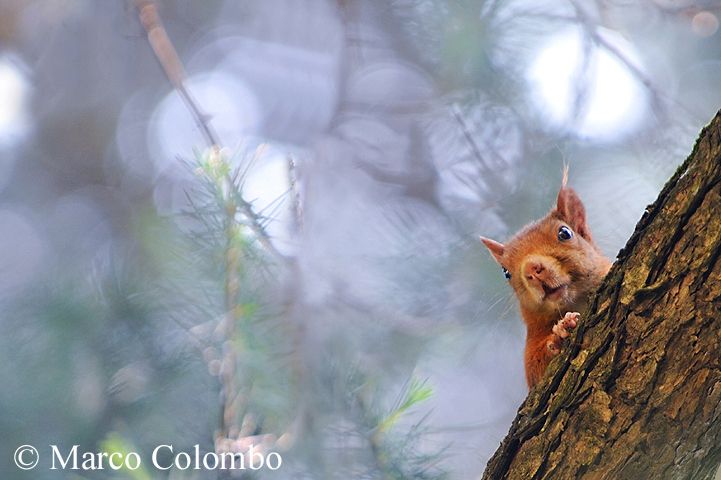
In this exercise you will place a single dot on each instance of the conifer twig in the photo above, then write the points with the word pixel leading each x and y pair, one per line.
pixel 169 60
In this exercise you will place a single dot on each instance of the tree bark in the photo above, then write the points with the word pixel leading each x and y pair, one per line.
pixel 636 394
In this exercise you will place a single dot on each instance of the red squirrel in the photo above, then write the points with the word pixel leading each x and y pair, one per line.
pixel 553 265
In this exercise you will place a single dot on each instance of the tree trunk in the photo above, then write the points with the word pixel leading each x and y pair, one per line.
pixel 636 394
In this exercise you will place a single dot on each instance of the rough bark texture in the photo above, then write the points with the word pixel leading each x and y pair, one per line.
pixel 636 395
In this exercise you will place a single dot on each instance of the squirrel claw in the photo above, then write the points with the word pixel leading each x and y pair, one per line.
pixel 561 331
pixel 568 322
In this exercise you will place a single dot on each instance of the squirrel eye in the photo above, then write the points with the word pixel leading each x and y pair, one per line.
pixel 506 273
pixel 564 233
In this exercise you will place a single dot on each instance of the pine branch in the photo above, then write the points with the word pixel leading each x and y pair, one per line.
pixel 169 60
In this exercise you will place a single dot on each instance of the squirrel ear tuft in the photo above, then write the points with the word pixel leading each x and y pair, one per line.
pixel 570 207
pixel 494 247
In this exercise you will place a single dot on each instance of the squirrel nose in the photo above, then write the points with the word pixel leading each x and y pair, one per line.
pixel 533 270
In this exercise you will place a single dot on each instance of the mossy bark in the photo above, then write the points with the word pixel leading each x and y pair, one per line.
pixel 637 393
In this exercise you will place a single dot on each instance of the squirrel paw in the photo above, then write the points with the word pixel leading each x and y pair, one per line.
pixel 568 322
pixel 561 330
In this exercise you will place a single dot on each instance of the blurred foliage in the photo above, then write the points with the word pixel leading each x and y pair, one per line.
pixel 115 444
pixel 326 257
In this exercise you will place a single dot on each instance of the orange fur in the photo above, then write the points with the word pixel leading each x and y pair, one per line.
pixel 550 276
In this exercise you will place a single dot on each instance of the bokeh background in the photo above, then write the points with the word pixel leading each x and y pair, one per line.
pixel 375 140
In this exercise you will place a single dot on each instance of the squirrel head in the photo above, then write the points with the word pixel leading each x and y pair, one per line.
pixel 553 263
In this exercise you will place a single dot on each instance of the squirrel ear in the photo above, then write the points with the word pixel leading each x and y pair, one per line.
pixel 570 207
pixel 494 247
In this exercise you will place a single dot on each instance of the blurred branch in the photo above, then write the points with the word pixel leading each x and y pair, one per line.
pixel 168 57
pixel 233 203
pixel 232 317
pixel 591 30
pixel 295 192
pixel 256 227
pixel 170 61
pixel 458 115
pixel 486 171
pixel 393 457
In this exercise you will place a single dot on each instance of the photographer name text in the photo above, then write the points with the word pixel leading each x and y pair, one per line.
pixel 163 457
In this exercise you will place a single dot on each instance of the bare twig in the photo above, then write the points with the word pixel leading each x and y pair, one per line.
pixel 170 61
